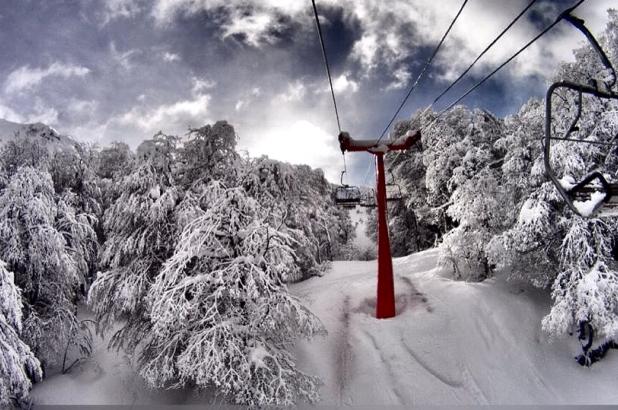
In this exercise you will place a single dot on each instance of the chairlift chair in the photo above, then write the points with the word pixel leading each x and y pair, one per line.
pixel 347 196
pixel 368 199
pixel 594 195
pixel 393 190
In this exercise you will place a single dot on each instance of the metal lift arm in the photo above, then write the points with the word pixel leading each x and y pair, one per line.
pixel 596 89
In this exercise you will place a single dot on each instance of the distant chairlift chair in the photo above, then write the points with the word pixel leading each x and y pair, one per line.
pixel 368 199
pixel 593 195
pixel 347 196
pixel 394 193
pixel 393 190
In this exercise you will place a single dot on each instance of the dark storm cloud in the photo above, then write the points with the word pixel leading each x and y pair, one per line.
pixel 123 69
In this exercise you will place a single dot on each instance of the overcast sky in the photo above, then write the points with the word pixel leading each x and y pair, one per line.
pixel 121 70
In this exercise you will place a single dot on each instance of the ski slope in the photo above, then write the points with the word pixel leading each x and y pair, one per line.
pixel 451 343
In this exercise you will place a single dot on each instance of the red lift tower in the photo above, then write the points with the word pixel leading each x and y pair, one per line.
pixel 385 302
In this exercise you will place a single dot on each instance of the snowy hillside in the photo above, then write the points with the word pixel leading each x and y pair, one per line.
pixel 48 136
pixel 451 343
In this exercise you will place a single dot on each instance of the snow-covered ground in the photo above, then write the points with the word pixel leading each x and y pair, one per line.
pixel 451 343
pixel 106 378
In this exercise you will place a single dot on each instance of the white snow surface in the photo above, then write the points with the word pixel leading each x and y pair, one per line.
pixel 451 343
pixel 586 208
pixel 107 378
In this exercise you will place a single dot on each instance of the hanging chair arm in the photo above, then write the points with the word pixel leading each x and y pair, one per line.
pixel 567 195
pixel 580 25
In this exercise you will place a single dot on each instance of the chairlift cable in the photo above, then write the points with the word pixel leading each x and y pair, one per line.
pixel 521 50
pixel 422 72
pixel 325 58
pixel 416 82
pixel 548 28
pixel 484 51
pixel 330 80
pixel 608 144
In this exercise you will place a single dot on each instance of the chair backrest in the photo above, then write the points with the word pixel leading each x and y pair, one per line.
pixel 346 194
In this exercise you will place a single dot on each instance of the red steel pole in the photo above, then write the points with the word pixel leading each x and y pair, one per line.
pixel 385 302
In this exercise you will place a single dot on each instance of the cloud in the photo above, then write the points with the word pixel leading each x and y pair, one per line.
pixel 252 22
pixel 390 34
pixel 170 118
pixel 295 92
pixel 116 9
pixel 201 84
pixel 300 142
pixel 81 106
pixel 40 113
pixel 7 113
pixel 44 114
pixel 79 111
pixel 401 79
pixel 123 58
pixel 170 57
pixel 343 83
pixel 26 78
pixel 255 29
pixel 250 96
pixel 365 51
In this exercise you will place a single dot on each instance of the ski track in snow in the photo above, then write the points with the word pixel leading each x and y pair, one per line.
pixel 440 377
pixel 383 362
pixel 343 351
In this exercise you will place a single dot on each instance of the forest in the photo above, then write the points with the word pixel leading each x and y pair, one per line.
pixel 184 248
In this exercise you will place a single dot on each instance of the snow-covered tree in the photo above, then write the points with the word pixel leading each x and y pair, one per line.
pixel 220 311
pixel 111 165
pixel 140 235
pixel 302 197
pixel 22 152
pixel 35 249
pixel 79 200
pixel 548 244
pixel 505 215
pixel 114 160
pixel 586 289
pixel 475 202
pixel 412 224
pixel 208 153
pixel 18 366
